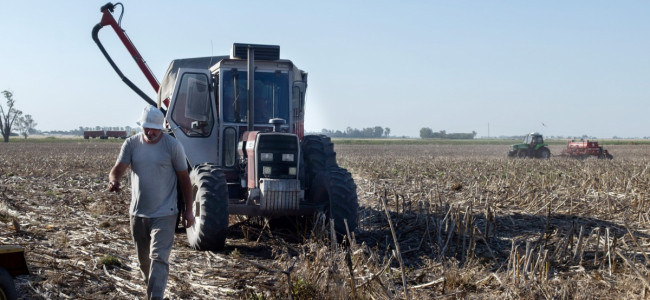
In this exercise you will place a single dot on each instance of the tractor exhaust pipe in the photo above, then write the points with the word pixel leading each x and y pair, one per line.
pixel 250 86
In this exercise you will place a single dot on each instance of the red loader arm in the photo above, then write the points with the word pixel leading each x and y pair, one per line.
pixel 107 19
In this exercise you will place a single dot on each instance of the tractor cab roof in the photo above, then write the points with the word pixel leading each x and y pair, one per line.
pixel 533 138
pixel 207 63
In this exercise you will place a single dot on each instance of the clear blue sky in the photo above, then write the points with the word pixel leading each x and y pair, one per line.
pixel 579 67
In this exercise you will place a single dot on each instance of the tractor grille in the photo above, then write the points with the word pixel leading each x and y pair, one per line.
pixel 280 195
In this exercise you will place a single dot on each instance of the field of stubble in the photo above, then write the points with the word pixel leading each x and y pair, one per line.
pixel 435 221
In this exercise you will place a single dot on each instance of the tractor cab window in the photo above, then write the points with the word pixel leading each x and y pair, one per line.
pixel 192 110
pixel 271 96
pixel 533 139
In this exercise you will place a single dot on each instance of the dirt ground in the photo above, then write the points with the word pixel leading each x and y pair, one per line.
pixel 468 223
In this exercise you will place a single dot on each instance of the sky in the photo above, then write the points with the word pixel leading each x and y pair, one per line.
pixel 500 68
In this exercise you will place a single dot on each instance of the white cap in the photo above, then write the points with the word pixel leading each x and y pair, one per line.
pixel 152 118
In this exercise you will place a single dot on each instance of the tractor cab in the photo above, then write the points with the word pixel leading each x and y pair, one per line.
pixel 533 139
pixel 211 103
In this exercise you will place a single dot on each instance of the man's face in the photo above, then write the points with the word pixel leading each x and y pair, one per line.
pixel 151 135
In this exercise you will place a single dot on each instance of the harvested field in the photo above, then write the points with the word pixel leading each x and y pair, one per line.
pixel 436 221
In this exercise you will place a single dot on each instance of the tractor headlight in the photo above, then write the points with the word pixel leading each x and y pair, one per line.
pixel 287 157
pixel 292 171
pixel 266 170
pixel 266 156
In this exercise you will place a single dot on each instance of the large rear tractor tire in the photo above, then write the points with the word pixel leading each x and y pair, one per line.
pixel 7 286
pixel 318 154
pixel 544 153
pixel 336 190
pixel 210 192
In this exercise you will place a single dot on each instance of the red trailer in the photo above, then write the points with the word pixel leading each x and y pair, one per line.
pixel 94 134
pixel 584 149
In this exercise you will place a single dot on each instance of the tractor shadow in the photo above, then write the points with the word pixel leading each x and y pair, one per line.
pixel 430 237
pixel 424 238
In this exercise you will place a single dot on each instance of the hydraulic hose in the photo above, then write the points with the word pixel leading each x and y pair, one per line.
pixel 125 79
pixel 107 19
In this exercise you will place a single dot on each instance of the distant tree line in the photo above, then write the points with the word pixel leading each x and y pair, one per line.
pixel 427 133
pixel 370 132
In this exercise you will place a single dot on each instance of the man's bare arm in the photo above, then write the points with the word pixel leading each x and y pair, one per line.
pixel 185 187
pixel 115 175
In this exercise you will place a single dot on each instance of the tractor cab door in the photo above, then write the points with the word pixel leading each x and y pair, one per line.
pixel 537 141
pixel 192 116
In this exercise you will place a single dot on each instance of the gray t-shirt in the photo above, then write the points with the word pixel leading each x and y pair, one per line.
pixel 153 174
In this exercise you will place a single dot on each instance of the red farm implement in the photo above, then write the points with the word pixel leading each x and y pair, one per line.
pixel 584 149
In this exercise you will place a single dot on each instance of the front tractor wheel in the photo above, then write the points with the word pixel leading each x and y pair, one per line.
pixel 544 153
pixel 522 153
pixel 318 153
pixel 210 192
pixel 336 190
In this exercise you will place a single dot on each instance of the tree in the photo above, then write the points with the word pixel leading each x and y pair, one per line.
pixel 8 117
pixel 387 132
pixel 426 133
pixel 21 129
pixel 26 125
pixel 378 131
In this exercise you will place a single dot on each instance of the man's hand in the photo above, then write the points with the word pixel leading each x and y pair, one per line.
pixel 114 176
pixel 114 186
pixel 188 219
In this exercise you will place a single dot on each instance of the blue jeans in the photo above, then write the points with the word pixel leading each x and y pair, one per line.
pixel 153 238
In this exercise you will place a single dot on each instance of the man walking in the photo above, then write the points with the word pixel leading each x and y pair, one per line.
pixel 157 163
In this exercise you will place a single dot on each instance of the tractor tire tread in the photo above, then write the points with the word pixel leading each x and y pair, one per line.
pixel 211 195
pixel 343 200
pixel 318 154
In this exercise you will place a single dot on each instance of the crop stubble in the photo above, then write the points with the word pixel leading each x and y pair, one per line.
pixel 468 222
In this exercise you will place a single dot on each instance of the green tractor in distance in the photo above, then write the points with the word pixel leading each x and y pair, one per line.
pixel 532 146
